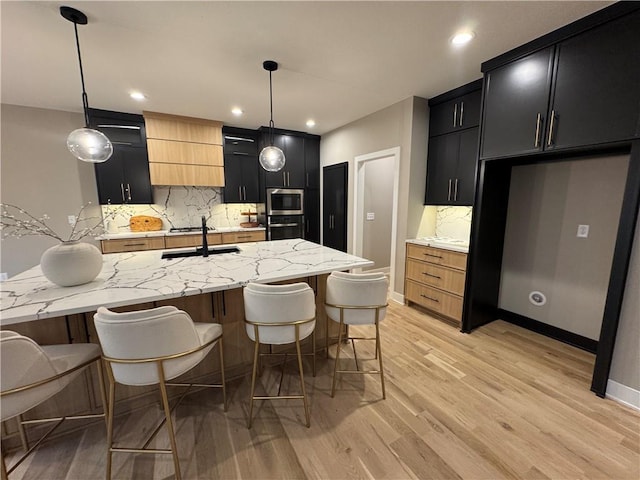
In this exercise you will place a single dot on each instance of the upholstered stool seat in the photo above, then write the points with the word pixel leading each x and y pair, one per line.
pixel 356 299
pixel 279 315
pixel 31 373
pixel 151 347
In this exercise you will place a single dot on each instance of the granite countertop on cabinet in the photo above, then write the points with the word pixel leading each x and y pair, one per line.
pixel 442 242
pixel 167 233
pixel 138 277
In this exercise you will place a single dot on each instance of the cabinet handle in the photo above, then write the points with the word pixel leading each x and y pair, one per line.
pixel 288 179
pixel 537 142
pixel 449 192
pixel 461 112
pixel 134 244
pixel 122 191
pixel 551 122
pixel 430 298
pixel 455 191
pixel 239 192
pixel 284 178
pixel 240 153
pixel 455 115
pixel 129 191
pixel 432 255
pixel 244 193
pixel 431 275
pixel 307 179
pixel 307 225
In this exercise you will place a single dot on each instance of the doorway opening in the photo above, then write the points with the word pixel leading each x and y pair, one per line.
pixel 377 178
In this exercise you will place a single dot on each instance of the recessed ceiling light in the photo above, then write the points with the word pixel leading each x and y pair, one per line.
pixel 462 38
pixel 236 111
pixel 311 123
pixel 137 96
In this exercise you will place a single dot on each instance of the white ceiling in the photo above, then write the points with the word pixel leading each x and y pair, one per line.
pixel 339 61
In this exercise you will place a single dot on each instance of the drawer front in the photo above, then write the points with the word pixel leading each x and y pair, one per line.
pixel 433 299
pixel 239 237
pixel 192 240
pixel 436 276
pixel 437 256
pixel 189 175
pixel 132 244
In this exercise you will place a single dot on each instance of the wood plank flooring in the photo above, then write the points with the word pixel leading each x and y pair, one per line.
pixel 500 403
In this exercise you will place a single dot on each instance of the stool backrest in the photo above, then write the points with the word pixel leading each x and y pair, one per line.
pixel 141 334
pixel 276 304
pixel 22 362
pixel 356 290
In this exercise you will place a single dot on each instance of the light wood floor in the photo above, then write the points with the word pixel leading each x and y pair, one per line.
pixel 501 402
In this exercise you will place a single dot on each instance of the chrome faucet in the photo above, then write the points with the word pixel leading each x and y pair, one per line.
pixel 205 246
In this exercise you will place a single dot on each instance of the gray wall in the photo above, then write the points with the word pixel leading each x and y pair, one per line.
pixel 547 202
pixel 404 124
pixel 378 199
pixel 39 175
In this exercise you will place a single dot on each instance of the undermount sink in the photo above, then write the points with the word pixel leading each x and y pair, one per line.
pixel 198 252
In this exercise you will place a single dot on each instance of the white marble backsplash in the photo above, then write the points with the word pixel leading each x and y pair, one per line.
pixel 181 207
pixel 454 222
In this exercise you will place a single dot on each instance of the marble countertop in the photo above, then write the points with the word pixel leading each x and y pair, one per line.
pixel 167 233
pixel 441 242
pixel 137 277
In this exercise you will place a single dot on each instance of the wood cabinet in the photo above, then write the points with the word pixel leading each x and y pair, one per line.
pixel 132 244
pixel 582 91
pixel 241 168
pixel 184 151
pixel 435 279
pixel 453 148
pixel 195 240
pixel 124 178
pixel 239 237
pixel 334 216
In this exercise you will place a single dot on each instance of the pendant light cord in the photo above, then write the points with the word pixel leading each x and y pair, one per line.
pixel 271 124
pixel 85 98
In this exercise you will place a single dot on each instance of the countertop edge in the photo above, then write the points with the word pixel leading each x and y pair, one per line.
pixel 443 246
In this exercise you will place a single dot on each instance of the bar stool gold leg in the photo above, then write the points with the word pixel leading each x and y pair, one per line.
pixel 335 366
pixel 110 404
pixel 4 470
pixel 103 394
pixel 256 355
pixel 167 414
pixel 224 383
pixel 23 434
pixel 379 355
pixel 304 393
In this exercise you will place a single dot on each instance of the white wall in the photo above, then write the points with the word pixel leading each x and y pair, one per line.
pixel 404 124
pixel 39 175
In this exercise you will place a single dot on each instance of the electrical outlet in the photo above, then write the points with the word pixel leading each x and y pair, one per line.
pixel 4 276
pixel 583 231
pixel 371 216
pixel 71 219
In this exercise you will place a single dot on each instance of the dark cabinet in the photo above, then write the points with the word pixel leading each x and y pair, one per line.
pixel 334 216
pixel 451 168
pixel 312 214
pixel 124 178
pixel 312 162
pixel 580 92
pixel 455 114
pixel 241 168
pixel 293 173
pixel 451 162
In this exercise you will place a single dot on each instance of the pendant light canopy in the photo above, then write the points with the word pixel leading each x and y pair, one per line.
pixel 271 157
pixel 85 144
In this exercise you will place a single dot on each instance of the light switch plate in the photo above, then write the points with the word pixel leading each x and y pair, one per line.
pixel 583 231
pixel 371 216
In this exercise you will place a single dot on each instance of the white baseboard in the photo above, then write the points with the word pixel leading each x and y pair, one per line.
pixel 623 394
pixel 397 297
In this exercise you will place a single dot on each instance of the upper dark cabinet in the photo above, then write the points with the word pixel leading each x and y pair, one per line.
pixel 582 91
pixel 455 114
pixel 312 162
pixel 124 178
pixel 241 168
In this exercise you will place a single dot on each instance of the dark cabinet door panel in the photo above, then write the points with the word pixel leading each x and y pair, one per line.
pixel 136 175
pixel 110 178
pixel 334 194
pixel 312 214
pixel 232 178
pixel 464 187
pixel 312 162
pixel 516 101
pixel 441 168
pixel 597 85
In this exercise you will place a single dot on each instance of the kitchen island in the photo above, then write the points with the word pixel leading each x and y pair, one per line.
pixel 208 288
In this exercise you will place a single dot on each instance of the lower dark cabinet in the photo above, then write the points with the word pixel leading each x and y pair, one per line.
pixel 334 216
pixel 451 168
pixel 124 178
pixel 312 214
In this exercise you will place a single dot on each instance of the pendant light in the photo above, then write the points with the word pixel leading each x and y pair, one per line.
pixel 271 157
pixel 85 144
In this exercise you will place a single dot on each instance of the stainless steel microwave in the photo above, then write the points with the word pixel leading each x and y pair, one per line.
pixel 285 201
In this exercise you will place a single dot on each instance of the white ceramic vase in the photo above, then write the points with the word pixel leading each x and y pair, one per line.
pixel 71 263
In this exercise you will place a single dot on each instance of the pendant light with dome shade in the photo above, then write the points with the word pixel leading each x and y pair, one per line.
pixel 271 157
pixel 86 144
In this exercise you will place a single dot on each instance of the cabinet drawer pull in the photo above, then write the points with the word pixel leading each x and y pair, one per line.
pixel 135 244
pixel 551 122
pixel 449 192
pixel 536 144
pixel 244 193
pixel 461 112
pixel 122 191
pixel 455 191
pixel 430 298
pixel 240 153
pixel 455 115
pixel 128 192
pixel 431 275
pixel 432 255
